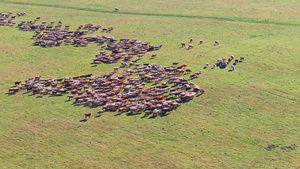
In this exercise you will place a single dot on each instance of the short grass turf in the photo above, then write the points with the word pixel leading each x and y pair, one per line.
pixel 240 114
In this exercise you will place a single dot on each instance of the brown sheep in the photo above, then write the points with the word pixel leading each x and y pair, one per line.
pixel 88 115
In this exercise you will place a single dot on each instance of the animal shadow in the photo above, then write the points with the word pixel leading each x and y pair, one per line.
pixel 84 120
pixel 97 116
pixel 152 117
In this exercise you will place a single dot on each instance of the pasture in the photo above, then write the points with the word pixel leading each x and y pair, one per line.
pixel 247 118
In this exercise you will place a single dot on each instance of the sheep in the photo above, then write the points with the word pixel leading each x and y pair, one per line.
pixel 242 58
pixel 116 9
pixel 17 83
pixel 232 57
pixel 154 55
pixel 200 42
pixel 70 96
pixel 182 45
pixel 124 64
pixel 207 64
pixel 217 43
pixel 188 70
pixel 111 29
pixel 232 66
pixel 191 46
pixel 87 115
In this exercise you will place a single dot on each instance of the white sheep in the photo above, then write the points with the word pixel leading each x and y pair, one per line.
pixel 232 66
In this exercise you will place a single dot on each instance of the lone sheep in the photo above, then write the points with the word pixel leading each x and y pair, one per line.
pixel 232 66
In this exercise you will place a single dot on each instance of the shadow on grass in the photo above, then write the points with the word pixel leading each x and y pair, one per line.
pixel 198 95
pixel 164 114
pixel 132 114
pixel 10 94
pixel 97 116
pixel 152 117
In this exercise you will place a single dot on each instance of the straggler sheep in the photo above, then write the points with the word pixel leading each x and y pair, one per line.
pixel 191 46
pixel 232 56
pixel 242 58
pixel 116 9
pixel 191 40
pixel 88 115
pixel 207 64
pixel 232 66
pixel 217 43
pixel 182 45
pixel 200 42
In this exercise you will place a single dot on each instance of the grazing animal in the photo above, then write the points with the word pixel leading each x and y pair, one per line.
pixel 232 57
pixel 191 40
pixel 191 46
pixel 217 43
pixel 116 9
pixel 236 61
pixel 232 66
pixel 188 70
pixel 116 68
pixel 207 64
pixel 70 96
pixel 182 45
pixel 214 65
pixel 88 115
pixel 100 111
pixel 242 58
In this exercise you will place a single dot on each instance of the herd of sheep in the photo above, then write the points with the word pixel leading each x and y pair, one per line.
pixel 126 93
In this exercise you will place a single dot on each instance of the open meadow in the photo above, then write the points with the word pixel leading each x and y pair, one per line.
pixel 247 118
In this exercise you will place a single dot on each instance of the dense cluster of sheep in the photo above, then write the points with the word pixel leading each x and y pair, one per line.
pixel 52 34
pixel 7 19
pixel 126 49
pixel 125 93
pixel 223 62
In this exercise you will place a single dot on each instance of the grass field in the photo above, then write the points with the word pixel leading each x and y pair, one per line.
pixel 240 114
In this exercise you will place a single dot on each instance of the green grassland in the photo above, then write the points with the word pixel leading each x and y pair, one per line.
pixel 229 126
